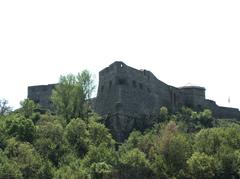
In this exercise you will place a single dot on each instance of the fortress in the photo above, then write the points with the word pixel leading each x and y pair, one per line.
pixel 126 95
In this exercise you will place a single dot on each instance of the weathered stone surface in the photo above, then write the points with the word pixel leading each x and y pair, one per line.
pixel 128 97
pixel 41 94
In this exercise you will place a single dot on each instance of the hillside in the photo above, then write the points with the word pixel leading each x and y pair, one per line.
pixel 186 144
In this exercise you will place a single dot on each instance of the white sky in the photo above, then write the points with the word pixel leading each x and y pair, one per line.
pixel 179 41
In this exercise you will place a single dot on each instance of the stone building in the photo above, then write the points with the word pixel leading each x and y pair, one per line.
pixel 126 95
pixel 41 94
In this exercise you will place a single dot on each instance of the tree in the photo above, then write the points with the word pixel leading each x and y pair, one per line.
pixel 3 134
pixel 85 80
pixel 206 118
pixel 99 134
pixel 29 161
pixel 71 94
pixel 133 164
pixel 72 171
pixel 228 162
pixel 178 151
pixel 8 168
pixel 101 170
pixel 159 167
pixel 49 140
pixel 4 108
pixel 77 136
pixel 202 166
pixel 163 113
pixel 174 148
pixel 102 153
pixel 209 141
pixel 20 127
pixel 28 107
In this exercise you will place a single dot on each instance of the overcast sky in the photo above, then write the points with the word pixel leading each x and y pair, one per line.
pixel 181 42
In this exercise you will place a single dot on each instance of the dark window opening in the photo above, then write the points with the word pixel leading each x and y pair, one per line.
pixel 110 84
pixel 134 84
pixel 102 88
pixel 122 81
pixel 174 99
pixel 199 107
pixel 148 89
pixel 140 86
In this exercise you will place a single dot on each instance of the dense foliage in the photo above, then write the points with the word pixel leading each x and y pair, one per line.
pixel 185 145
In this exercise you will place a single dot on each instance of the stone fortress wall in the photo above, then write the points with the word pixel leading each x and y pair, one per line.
pixel 127 96
pixel 41 94
pixel 123 89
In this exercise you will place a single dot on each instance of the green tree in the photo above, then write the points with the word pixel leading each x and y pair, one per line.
pixel 174 147
pixel 71 172
pixel 101 153
pixel 201 165
pixel 210 141
pixel 101 170
pixel 86 82
pixel 99 134
pixel 29 161
pixel 206 118
pixel 28 107
pixel 132 141
pixel 178 151
pixel 133 164
pixel 163 114
pixel 77 135
pixel 3 134
pixel 71 94
pixel 159 167
pixel 20 127
pixel 9 169
pixel 4 108
pixel 100 161
pixel 228 162
pixel 49 140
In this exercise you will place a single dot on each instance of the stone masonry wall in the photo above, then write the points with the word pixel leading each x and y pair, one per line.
pixel 127 96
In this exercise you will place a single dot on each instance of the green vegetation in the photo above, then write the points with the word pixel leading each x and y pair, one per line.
pixel 73 142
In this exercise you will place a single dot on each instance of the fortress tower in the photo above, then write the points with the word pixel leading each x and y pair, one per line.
pixel 127 95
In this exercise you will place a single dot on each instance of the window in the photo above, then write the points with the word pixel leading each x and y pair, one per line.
pixel 122 81
pixel 174 98
pixel 134 84
pixel 148 89
pixel 140 86
pixel 110 84
pixel 102 88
